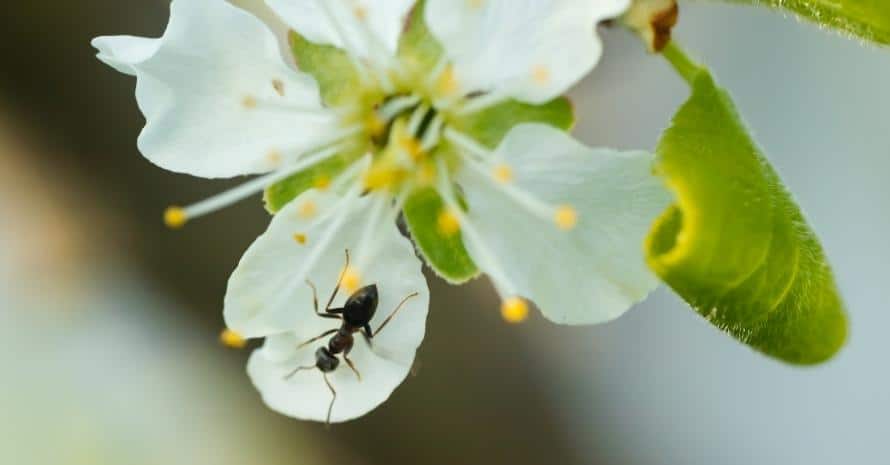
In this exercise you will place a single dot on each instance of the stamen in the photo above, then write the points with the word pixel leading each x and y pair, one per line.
pixel 232 340
pixel 503 173
pixel 396 106
pixel 448 223
pixel 541 75
pixel 352 280
pixel 483 255
pixel 468 144
pixel 433 134
pixel 176 217
pixel 482 102
pixel 307 209
pixel 417 118
pixel 300 238
pixel 565 217
pixel 278 85
pixel 514 310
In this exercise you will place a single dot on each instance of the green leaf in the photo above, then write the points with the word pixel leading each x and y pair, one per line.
pixel 735 245
pixel 866 19
pixel 281 193
pixel 490 125
pixel 445 254
pixel 330 66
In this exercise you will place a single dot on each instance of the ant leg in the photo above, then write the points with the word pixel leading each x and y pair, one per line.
pixel 366 333
pixel 322 336
pixel 352 366
pixel 315 303
pixel 297 370
pixel 339 282
pixel 333 398
pixel 386 321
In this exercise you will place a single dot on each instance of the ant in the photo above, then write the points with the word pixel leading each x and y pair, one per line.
pixel 356 315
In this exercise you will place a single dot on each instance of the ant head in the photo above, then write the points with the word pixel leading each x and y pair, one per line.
pixel 325 360
pixel 361 306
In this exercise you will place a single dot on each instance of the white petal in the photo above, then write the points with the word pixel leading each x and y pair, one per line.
pixel 531 50
pixel 590 274
pixel 268 294
pixel 193 84
pixel 354 25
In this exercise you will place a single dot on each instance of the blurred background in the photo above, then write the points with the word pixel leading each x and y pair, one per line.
pixel 110 321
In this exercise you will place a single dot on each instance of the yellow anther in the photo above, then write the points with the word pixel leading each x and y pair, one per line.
pixel 308 209
pixel 274 157
pixel 426 175
pixel 383 175
pixel 278 85
pixel 322 183
pixel 249 101
pixel 175 217
pixel 514 310
pixel 300 238
pixel 232 339
pixel 447 84
pixel 541 74
pixel 503 173
pixel 351 279
pixel 412 147
pixel 374 125
pixel 566 217
pixel 448 223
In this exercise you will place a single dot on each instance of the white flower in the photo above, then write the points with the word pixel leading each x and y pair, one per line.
pixel 547 218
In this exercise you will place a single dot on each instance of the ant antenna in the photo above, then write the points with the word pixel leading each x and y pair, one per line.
pixel 333 398
pixel 339 281
pixel 297 370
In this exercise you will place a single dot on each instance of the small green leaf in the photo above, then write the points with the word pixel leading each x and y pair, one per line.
pixel 281 193
pixel 419 50
pixel 866 19
pixel 445 254
pixel 490 125
pixel 330 66
pixel 735 245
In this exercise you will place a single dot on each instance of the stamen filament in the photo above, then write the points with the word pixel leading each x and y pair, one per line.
pixel 176 216
pixel 483 254
pixel 433 134
pixel 470 145
pixel 350 49
pixel 417 118
pixel 482 102
pixel 397 105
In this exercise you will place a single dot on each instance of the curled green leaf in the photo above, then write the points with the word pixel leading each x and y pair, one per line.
pixel 865 19
pixel 735 245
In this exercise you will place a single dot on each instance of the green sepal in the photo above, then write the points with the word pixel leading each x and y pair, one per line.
pixel 735 245
pixel 419 50
pixel 331 67
pixel 491 125
pixel 445 254
pixel 281 193
pixel 865 19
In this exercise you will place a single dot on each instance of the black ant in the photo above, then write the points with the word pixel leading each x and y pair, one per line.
pixel 356 315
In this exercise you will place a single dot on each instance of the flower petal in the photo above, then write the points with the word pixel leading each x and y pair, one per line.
pixel 305 395
pixel 531 50
pixel 217 96
pixel 268 294
pixel 590 274
pixel 347 23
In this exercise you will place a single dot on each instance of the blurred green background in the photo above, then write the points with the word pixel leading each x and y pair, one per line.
pixel 110 321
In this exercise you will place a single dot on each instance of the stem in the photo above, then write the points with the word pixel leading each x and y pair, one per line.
pixel 685 66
